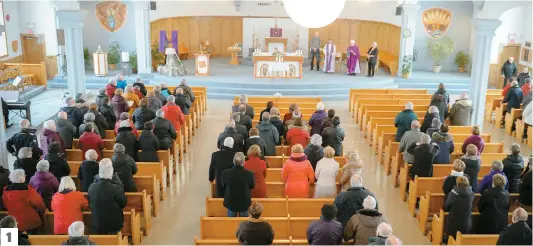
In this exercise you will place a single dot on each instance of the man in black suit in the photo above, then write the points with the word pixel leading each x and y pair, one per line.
pixel 240 128
pixel 220 161
pixel 372 54
pixel 237 183
pixel 245 120
pixel 249 109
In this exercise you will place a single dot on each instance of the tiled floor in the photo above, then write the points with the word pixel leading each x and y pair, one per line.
pixel 179 220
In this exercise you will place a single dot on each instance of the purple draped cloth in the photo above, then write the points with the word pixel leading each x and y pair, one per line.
pixel 353 59
pixel 329 56
pixel 163 41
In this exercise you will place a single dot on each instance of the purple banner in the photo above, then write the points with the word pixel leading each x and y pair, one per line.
pixel 163 41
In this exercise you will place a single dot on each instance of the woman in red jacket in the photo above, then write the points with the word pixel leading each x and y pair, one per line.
pixel 297 134
pixel 297 174
pixel 173 113
pixel 90 140
pixel 67 205
pixel 23 202
pixel 258 166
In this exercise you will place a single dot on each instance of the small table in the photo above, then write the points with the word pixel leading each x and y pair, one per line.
pixel 234 58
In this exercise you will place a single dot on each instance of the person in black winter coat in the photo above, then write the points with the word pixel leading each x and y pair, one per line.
pixel 450 181
pixel 244 119
pixel 187 91
pixel 237 183
pixel 25 138
pixel 269 106
pixel 514 97
pixel 74 114
pixel 4 181
pixel 88 169
pixel 525 189
pixel 433 112
pixel 126 137
pixel 101 97
pixel 277 122
pixel 243 100
pixel 11 222
pixel 142 114
pixel 517 233
pixel 182 101
pixel 333 136
pixel 513 165
pixel 493 207
pixel 424 153
pixel 254 139
pixel 240 128
pixel 106 199
pixel 441 90
pixel 314 150
pixel 139 82
pixel 99 120
pixel 220 161
pixel 255 231
pixel 26 162
pixel 446 146
pixel 459 205
pixel 109 114
pixel 58 164
pixel 442 106
pixel 351 200
pixel 508 70
pixel 125 167
pixel 149 144
pixel 472 166
pixel 229 131
pixel 76 235
pixel 163 130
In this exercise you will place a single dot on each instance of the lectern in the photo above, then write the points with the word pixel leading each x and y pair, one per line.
pixel 202 64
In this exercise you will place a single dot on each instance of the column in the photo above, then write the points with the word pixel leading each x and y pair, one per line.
pixel 72 24
pixel 3 143
pixel 484 33
pixel 142 36
pixel 407 34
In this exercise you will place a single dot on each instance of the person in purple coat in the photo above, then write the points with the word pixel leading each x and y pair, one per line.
pixel 475 139
pixel 316 119
pixel 486 182
pixel 50 135
pixel 326 230
pixel 44 182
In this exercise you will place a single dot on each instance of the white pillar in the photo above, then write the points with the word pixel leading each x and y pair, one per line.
pixel 3 145
pixel 72 24
pixel 407 35
pixel 484 33
pixel 142 36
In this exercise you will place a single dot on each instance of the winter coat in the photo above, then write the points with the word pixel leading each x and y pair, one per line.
pixel 99 100
pixel 266 110
pixel 276 122
pixel 148 144
pixel 246 121
pixel 377 240
pixel 525 189
pixel 270 135
pixel 472 166
pixel 46 184
pixel 326 176
pixel 25 204
pixel 86 173
pixel 154 103
pixel 297 135
pixel 29 165
pixel 255 140
pixel 238 139
pixel 333 137
pixel 107 199
pixel 521 78
pixel 362 226
pixel 324 232
pixel 165 132
pixel 238 183
pixel 67 206
pixel 403 122
pixel 349 202
pixel 459 206
pixel 258 167
pixel 348 170
pixel 443 109
pixel 83 240
pixel 220 161
pixel 132 125
pixel 314 154
pixel 58 165
pixel 509 69
pixel 249 110
pixel 142 115
pixel 109 115
pixel 49 136
pixel 174 115
pixel 142 88
pixel 476 140
pixel 442 92
pixel 486 182
pixel 85 123
pixel 518 233
pixel 125 167
pixel 129 140
pixel 187 91
pixel 91 140
pixel 241 129
pixel 450 182
pixel 74 115
pixel 316 121
pixel 162 96
pixel 461 113
pixel 184 103
pixel 526 88
pixel 493 207
pixel 446 146
pixel 327 122
pixel 66 131
pixel 120 105
pixel 23 238
pixel 410 137
pixel 512 167
pixel 132 100
pixel 424 155
pixel 513 98
pixel 527 114
pixel 297 174
pixel 110 90
pixel 24 138
pixel 428 119
pixel 100 122
pixel 255 232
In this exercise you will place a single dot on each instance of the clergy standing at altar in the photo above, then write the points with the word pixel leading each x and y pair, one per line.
pixel 329 57
pixel 353 59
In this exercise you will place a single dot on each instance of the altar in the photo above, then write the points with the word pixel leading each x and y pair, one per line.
pixel 288 66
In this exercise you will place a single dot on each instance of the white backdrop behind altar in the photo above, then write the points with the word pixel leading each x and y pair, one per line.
pixel 262 30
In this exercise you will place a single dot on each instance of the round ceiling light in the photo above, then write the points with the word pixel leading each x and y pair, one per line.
pixel 314 13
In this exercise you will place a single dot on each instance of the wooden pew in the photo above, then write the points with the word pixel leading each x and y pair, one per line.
pixel 274 207
pixel 277 189
pixel 386 99
pixel 380 131
pixel 510 118
pixel 366 91
pixel 519 131
pixel 473 239
pixel 235 242
pixel 373 107
pixel 278 161
pixel 382 114
pixel 390 151
pixel 97 239
pixel 384 139
pixel 274 175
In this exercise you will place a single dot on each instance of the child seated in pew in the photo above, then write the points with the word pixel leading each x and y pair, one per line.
pixel 75 233
pixel 10 222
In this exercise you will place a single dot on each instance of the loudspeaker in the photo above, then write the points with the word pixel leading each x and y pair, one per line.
pixel 399 10
pixel 153 5
pixel 60 37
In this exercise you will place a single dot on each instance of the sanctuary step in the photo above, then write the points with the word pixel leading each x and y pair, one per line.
pixel 456 83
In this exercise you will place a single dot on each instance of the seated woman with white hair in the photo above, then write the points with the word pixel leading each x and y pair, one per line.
pixel 50 135
pixel 424 153
pixel 354 165
pixel 314 150
pixel 75 235
pixel 88 169
pixel 326 174
pixel 58 164
pixel 364 223
pixel 316 119
pixel 23 202
pixel 383 231
pixel 68 205
pixel 44 182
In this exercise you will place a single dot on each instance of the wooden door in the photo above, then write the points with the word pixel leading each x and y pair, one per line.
pixel 506 51
pixel 33 48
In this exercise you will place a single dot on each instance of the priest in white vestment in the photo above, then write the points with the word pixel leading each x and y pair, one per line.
pixel 329 57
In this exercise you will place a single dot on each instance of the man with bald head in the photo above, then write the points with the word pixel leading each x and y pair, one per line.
pixel 25 138
pixel 461 112
pixel 517 233
pixel 66 129
pixel 508 70
pixel 410 137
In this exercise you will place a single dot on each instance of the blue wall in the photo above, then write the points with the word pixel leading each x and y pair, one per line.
pixel 459 31
pixel 94 34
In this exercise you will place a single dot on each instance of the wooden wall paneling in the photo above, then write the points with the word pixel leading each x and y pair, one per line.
pixel 226 35
pixel 334 34
pixel 365 35
pixel 344 36
pixel 51 66
pixel 203 29
pixel 194 36
pixel 215 39
pixel 237 30
pixel 355 27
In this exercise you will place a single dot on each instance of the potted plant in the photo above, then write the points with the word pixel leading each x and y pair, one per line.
pixel 113 55
pixel 439 50
pixel 133 62
pixel 158 58
pixel 407 66
pixel 462 60
pixel 86 56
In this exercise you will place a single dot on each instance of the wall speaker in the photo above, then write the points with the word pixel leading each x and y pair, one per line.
pixel 153 6
pixel 399 10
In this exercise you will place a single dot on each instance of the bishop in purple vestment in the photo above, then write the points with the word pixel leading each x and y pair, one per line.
pixel 353 59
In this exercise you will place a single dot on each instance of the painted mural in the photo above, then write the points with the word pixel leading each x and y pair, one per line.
pixel 436 21
pixel 111 14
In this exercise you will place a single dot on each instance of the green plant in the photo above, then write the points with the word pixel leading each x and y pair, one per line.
pixel 133 61
pixel 86 55
pixel 407 64
pixel 462 59
pixel 440 49
pixel 157 57
pixel 113 55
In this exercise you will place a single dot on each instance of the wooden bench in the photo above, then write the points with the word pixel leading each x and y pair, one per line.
pixel 274 207
pixel 473 239
pixel 276 189
pixel 353 92
pixel 490 106
pixel 97 239
pixel 388 107
pixel 381 114
pixel 274 175
pixel 384 100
